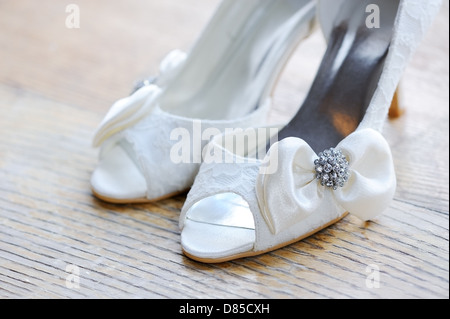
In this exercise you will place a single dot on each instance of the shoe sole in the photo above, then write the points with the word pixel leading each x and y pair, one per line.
pixel 141 200
pixel 261 252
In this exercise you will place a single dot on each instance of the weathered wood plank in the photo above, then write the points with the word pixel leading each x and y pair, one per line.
pixel 55 85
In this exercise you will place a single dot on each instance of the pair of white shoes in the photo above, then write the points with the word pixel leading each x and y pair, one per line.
pixel 200 125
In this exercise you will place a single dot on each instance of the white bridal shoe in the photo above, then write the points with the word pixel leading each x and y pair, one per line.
pixel 151 142
pixel 331 159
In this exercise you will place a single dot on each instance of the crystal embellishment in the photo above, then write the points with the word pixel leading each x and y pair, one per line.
pixel 332 168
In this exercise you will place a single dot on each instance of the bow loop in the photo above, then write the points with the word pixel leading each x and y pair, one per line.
pixel 128 111
pixel 291 188
pixel 170 65
pixel 372 182
pixel 292 192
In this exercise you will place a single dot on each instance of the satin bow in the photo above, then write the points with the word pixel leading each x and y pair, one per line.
pixel 128 111
pixel 292 192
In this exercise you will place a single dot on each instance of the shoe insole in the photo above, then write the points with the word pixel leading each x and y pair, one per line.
pixel 233 65
pixel 347 77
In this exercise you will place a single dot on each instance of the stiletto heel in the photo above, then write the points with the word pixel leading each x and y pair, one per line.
pixel 331 159
pixel 395 111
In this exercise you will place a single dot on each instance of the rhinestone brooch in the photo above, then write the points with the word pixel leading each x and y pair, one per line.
pixel 332 168
pixel 140 84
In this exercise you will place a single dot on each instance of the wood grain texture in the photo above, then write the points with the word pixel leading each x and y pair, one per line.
pixel 57 83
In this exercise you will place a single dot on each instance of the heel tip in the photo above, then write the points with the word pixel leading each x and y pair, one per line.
pixel 395 113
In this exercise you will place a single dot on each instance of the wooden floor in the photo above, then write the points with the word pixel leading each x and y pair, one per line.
pixel 58 241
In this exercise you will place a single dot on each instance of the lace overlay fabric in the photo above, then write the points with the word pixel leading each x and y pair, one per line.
pixel 414 19
pixel 157 154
